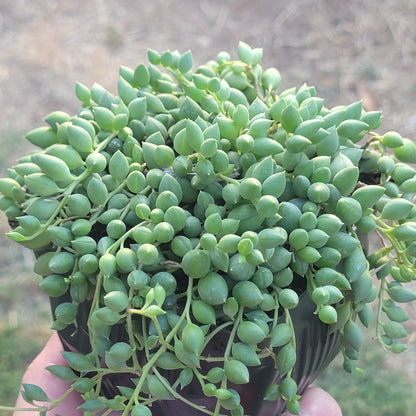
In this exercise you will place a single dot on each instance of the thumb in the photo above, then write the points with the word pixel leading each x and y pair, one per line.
pixel 317 402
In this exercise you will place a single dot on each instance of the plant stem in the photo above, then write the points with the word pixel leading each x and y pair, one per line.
pixel 94 306
pixel 152 361
pixel 215 332
pixel 227 179
pixel 129 328
pixel 179 396
pixel 289 321
pixel 397 245
pixel 227 354
pixel 68 191
pixel 23 409
pixel 379 322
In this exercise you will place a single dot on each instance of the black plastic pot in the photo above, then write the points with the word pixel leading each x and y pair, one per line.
pixel 316 348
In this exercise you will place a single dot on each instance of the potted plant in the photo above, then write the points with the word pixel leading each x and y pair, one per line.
pixel 202 237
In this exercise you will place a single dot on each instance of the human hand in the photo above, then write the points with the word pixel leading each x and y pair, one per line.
pixel 53 387
pixel 314 402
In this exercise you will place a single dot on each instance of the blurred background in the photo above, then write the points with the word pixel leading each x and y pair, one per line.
pixel 348 49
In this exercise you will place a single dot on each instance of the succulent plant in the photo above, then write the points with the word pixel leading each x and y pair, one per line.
pixel 190 203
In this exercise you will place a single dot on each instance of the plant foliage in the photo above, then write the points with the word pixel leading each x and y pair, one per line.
pixel 188 204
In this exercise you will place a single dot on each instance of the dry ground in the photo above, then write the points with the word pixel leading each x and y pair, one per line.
pixel 348 49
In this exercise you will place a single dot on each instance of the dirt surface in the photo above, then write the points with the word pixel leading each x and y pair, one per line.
pixel 348 49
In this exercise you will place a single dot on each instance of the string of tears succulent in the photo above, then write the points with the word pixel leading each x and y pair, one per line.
pixel 187 205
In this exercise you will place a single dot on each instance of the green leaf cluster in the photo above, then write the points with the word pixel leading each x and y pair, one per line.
pixel 192 204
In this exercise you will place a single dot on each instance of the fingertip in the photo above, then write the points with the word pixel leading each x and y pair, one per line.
pixel 317 402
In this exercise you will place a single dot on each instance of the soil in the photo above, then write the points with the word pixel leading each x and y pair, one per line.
pixel 349 49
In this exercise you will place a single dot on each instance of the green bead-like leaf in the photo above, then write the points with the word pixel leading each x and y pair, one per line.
pixel 83 93
pixel 104 117
pixel 241 116
pixel 79 139
pixel 396 209
pixel 137 108
pixel 250 333
pixel 230 307
pixel 194 135
pixel 245 53
pixel 290 118
pixel 141 77
pixel 353 129
pixel 118 166
pixel 288 298
pixel 108 264
pixel 168 361
pixel 60 236
pixel 348 210
pixel 97 191
pixel 245 353
pixel 286 359
pixel 185 62
pixel 228 128
pixel 54 167
pixel 196 263
pixel 213 289
pixel 281 335
pixel 169 183
pixel 78 361
pixel 406 152
pixel 83 385
pixel 157 388
pixel 368 195
pixel 120 122
pixel 352 335
pixel 392 139
pixel 188 358
pixel 236 372
pixel 297 143
pixel 62 372
pixel 192 338
pixel 247 294
pixel 401 294
pixel 265 147
pixel 117 301
pixel 7 185
pixel 66 153
pixel 355 264
pixel 185 377
pixel 346 180
pixel 394 330
pixel 181 144
pixel 54 285
pixel 271 78
pixel 136 181
pixel 93 405
pixel 42 137
pixel 328 315
pixel 66 312
pixel 203 312
pixel 40 184
pixel 33 393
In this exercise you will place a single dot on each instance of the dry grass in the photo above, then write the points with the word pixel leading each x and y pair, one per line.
pixel 355 49
pixel 349 49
